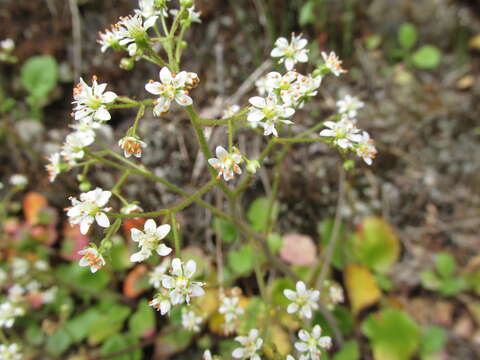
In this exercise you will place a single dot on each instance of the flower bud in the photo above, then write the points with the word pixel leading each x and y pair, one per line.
pixel 186 3
pixel 85 186
pixel 252 166
pixel 127 63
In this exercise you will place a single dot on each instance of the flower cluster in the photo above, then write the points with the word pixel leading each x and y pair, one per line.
pixel 90 208
pixel 345 134
pixel 226 163
pixel 312 343
pixel 231 311
pixel 178 287
pixel 191 321
pixel 8 312
pixel 251 344
pixel 10 352
pixel 149 240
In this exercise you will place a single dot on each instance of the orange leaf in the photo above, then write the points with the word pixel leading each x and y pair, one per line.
pixel 135 281
pixel 32 204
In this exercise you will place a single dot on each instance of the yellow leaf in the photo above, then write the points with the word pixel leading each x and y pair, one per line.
pixel 280 338
pixel 361 286
pixel 474 42
pixel 208 303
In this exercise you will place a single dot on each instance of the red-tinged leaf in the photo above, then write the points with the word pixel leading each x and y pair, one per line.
pixel 33 203
pixel 136 281
pixel 298 249
pixel 73 242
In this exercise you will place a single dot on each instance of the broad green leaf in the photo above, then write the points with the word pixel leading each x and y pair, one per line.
pixel 392 334
pixel 109 322
pixel 241 260
pixel 344 319
pixel 82 278
pixel 325 229
pixel 142 320
pixel 376 245
pixel 451 286
pixel 430 280
pixel 172 341
pixel 119 343
pixel 257 213
pixel 59 342
pixel 80 325
pixel 34 335
pixel 277 287
pixel 433 340
pixel 427 57
pixel 407 36
pixel 39 75
pixel 274 241
pixel 228 232
pixel 361 286
pixel 349 351
pixel 254 315
pixel 120 255
pixel 445 264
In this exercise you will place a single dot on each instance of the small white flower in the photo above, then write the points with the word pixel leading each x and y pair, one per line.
pixel 267 112
pixel 305 86
pixel 92 101
pixel 18 180
pixel 10 352
pixel 157 274
pixel 16 293
pixel 91 257
pixel 276 80
pixel 262 86
pixel 226 164
pixel 303 300
pixel 349 106
pixel 54 166
pixel 49 295
pixel 8 313
pixel 191 321
pixel 207 355
pixel 33 286
pixel 86 126
pixel 110 38
pixel 161 303
pixel 131 146
pixel 41 265
pixel 251 344
pixel 90 208
pixel 172 87
pixel 7 45
pixel 75 143
pixel 344 133
pixel 131 209
pixel 333 63
pixel 230 111
pixel 312 343
pixel 290 53
pixel 149 240
pixel 132 29
pixel 20 267
pixel 366 149
pixel 231 310
pixel 336 294
pixel 148 9
pixel 180 285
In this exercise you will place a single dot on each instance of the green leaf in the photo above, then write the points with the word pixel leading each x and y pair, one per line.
pixel 257 213
pixel 325 229
pixel 427 57
pixel 277 287
pixel 445 264
pixel 344 319
pixel 433 340
pixel 393 335
pixel 109 322
pixel 82 278
pixel 384 282
pixel 349 351
pixel 451 286
pixel 307 14
pixel 373 41
pixel 376 245
pixel 172 341
pixel 34 335
pixel 59 342
pixel 39 75
pixel 80 325
pixel 118 343
pixel 254 315
pixel 120 255
pixel 241 260
pixel 228 232
pixel 275 242
pixel 407 36
pixel 142 320
pixel 430 280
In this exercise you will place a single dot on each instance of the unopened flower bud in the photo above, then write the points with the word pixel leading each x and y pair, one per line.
pixel 127 63
pixel 85 186
pixel 252 166
pixel 186 3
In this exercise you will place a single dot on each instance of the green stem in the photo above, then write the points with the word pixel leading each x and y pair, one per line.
pixel 176 235
pixel 299 140
pixel 140 113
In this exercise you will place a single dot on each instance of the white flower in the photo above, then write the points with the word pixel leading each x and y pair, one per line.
pixel 149 240
pixel 90 208
pixel 172 87
pixel 86 126
pixel 336 294
pixel 230 111
pixel 289 357
pixel 305 86
pixel 7 45
pixel 207 355
pixel 157 274
pixel 180 285
pixel 349 105
pixel 344 132
pixel 226 164
pixel 250 345
pixel 231 310
pixel 110 38
pixel 366 149
pixel 267 112
pixel 49 295
pixel 20 267
pixel 147 9
pixel 290 53
pixel 262 86
pixel 8 313
pixel 131 209
pixel 54 166
pixel 10 352
pixel 193 16
pixel 131 146
pixel 33 286
pixel 133 29
pixel 333 63
pixel 312 343
pixel 191 321
pixel 91 257
pixel 16 293
pixel 75 143
pixel 161 303
pixel 303 300
pixel 92 101
pixel 276 80
pixel 18 180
